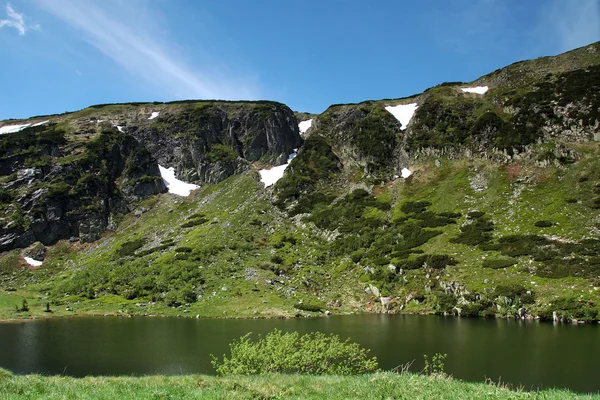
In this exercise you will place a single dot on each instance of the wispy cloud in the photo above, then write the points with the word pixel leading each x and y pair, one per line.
pixel 16 20
pixel 129 34
pixel 570 24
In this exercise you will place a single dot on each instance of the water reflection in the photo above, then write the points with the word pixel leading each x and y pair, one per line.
pixel 525 353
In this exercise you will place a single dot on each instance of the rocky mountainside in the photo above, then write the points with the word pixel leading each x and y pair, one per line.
pixel 475 198
pixel 73 175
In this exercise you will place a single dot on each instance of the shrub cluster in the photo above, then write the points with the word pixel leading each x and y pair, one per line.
pixel 277 352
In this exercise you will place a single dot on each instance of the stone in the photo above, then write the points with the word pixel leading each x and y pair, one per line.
pixel 374 291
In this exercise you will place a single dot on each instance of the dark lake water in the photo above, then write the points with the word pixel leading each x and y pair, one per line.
pixel 531 354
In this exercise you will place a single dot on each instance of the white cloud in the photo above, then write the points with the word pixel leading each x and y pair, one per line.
pixel 129 34
pixel 15 20
pixel 570 24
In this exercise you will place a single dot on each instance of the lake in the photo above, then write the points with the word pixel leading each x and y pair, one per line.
pixel 526 353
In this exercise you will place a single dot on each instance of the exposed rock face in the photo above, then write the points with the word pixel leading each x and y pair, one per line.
pixel 211 141
pixel 68 180
pixel 61 191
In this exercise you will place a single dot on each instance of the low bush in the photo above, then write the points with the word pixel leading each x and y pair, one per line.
pixel 277 352
pixel 128 248
pixel 195 220
pixel 475 233
pixel 414 207
pixel 498 263
pixel 544 224
pixel 569 308
pixel 309 305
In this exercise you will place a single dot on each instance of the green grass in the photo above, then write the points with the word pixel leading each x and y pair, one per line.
pixel 246 258
pixel 372 386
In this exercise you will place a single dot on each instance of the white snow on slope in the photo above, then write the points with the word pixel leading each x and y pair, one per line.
pixel 476 89
pixel 173 184
pixel 41 123
pixel 405 173
pixel 154 114
pixel 32 262
pixel 12 128
pixel 271 176
pixel 403 113
pixel 304 125
pixel 120 128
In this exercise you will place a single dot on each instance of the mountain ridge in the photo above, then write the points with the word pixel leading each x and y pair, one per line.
pixel 502 186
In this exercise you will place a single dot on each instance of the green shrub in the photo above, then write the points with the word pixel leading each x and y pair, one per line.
pixel 128 248
pixel 6 195
pixel 544 224
pixel 315 162
pixel 414 206
pixel 357 255
pixel 436 366
pixel 476 214
pixel 375 134
pixel 172 300
pixel 570 308
pixel 498 263
pixel 514 292
pixel 437 261
pixel 475 233
pixel 195 220
pixel 221 152
pixel 445 302
pixel 277 352
pixel 309 305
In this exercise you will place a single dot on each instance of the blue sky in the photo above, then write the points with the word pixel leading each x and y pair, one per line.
pixel 64 55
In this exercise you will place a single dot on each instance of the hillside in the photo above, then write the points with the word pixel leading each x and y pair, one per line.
pixel 476 199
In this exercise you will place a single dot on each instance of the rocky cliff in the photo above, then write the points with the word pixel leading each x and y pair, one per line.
pixel 72 175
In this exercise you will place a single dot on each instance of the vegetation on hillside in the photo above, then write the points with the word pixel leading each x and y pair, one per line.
pixel 510 233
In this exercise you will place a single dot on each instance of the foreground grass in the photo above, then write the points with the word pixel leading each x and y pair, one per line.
pixel 373 386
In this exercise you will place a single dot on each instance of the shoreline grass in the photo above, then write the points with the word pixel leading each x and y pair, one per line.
pixel 383 385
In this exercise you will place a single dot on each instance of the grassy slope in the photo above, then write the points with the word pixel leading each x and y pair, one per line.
pixel 374 386
pixel 242 262
pixel 244 231
pixel 242 226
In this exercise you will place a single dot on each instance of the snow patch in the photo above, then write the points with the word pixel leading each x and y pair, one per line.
pixel 12 128
pixel 154 114
pixel 173 184
pixel 304 125
pixel 120 128
pixel 403 113
pixel 270 176
pixel 477 89
pixel 405 173
pixel 32 262
pixel 41 123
